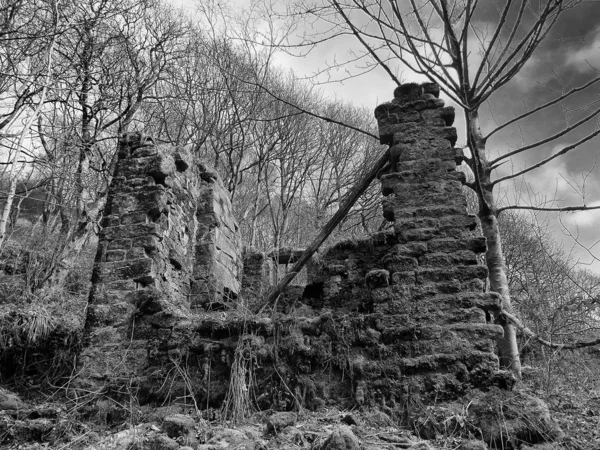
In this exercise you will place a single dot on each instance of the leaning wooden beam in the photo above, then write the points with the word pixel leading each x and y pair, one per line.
pixel 348 202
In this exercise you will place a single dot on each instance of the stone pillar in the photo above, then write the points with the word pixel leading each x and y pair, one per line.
pixel 258 278
pixel 168 244
pixel 147 238
pixel 405 310
pixel 218 262
pixel 435 303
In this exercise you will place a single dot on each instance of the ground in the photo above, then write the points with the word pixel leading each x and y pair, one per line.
pixel 55 425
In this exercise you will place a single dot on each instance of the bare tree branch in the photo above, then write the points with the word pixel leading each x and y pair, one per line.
pixel 527 332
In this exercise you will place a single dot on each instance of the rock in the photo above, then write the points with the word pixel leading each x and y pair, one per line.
pixel 377 278
pixel 129 438
pixel 377 419
pixel 545 446
pixel 349 419
pixel 161 442
pixel 10 401
pixel 513 417
pixel 93 438
pixel 398 440
pixel 473 445
pixel 32 430
pixel 181 427
pixel 421 446
pixel 178 425
pixel 229 438
pixel 341 438
pixel 280 420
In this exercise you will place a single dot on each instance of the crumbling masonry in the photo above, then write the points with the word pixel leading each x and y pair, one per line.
pixel 169 245
pixel 399 313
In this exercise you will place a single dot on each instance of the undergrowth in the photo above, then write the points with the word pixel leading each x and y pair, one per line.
pixel 41 314
pixel 238 405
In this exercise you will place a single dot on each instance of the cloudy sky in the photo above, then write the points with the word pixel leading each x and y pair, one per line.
pixel 569 57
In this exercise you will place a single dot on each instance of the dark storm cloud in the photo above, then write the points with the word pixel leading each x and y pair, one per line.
pixel 558 66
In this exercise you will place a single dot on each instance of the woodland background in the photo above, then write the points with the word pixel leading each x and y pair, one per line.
pixel 74 75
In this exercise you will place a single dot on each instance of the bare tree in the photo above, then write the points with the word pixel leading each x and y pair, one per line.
pixel 30 94
pixel 75 76
pixel 447 42
pixel 112 57
pixel 556 300
pixel 27 28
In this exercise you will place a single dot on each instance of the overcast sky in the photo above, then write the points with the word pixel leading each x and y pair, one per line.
pixel 569 57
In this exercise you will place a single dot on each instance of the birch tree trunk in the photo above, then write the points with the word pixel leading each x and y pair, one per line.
pixel 507 345
pixel 86 130
pixel 508 350
pixel 16 169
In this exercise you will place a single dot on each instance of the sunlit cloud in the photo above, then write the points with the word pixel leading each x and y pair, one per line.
pixel 584 219
pixel 587 59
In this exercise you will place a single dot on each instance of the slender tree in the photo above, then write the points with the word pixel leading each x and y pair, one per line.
pixel 448 42
pixel 31 93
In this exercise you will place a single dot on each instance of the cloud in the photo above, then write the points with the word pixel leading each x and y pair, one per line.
pixel 558 183
pixel 587 58
pixel 584 219
pixel 551 179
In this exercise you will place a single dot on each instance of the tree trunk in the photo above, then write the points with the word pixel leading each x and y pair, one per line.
pixel 508 350
pixel 255 208
pixel 14 172
pixel 12 188
pixel 507 345
pixel 86 129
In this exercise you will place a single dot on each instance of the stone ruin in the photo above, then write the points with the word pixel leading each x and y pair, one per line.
pixel 375 321
pixel 169 245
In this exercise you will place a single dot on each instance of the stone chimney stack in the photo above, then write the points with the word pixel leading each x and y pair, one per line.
pixel 436 286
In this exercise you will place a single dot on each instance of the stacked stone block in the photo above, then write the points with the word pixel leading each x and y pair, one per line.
pixel 262 271
pixel 414 297
pixel 435 302
pixel 218 253
pixel 258 278
pixel 168 244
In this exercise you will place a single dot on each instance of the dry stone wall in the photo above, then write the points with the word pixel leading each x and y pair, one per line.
pixel 262 271
pixel 398 314
pixel 168 245
pixel 412 301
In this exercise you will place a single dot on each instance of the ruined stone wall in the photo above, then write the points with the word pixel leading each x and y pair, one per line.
pixel 218 262
pixel 263 270
pixel 168 245
pixel 376 321
pixel 430 281
pixel 412 301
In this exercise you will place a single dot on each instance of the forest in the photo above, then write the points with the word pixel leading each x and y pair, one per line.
pixel 215 77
